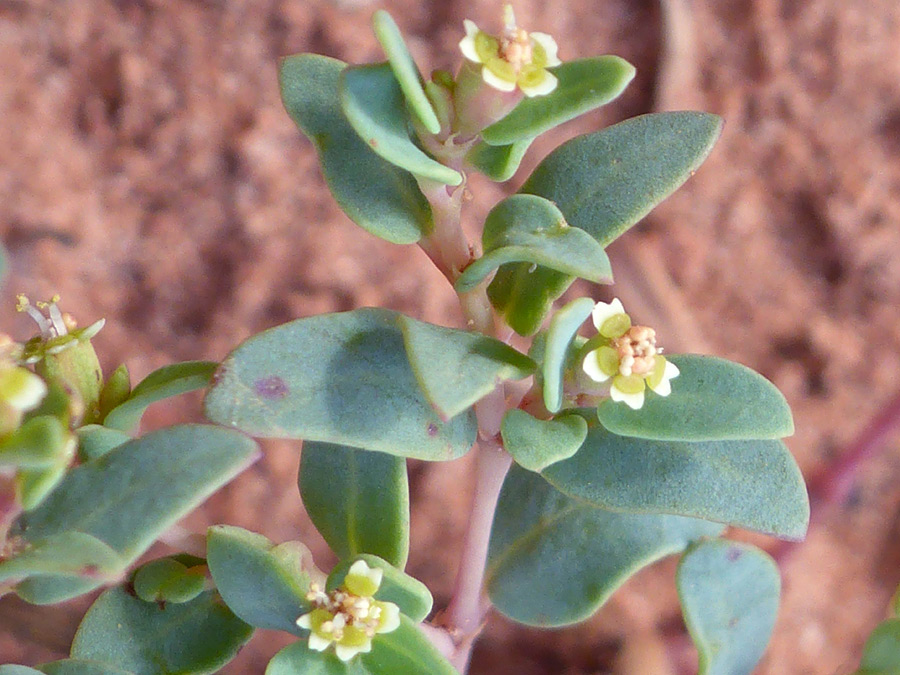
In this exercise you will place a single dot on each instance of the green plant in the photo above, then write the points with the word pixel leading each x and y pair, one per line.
pixel 596 455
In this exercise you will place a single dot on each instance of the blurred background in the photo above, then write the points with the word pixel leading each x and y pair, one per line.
pixel 149 174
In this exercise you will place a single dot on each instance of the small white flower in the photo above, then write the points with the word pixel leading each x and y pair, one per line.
pixel 513 59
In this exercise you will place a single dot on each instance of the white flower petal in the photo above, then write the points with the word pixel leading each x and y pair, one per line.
pixel 671 371
pixel 390 618
pixel 304 622
pixel 633 401
pixel 360 568
pixel 22 389
pixel 467 44
pixel 663 388
pixel 318 643
pixel 545 86
pixel 591 367
pixel 550 47
pixel 346 653
pixel 496 82
pixel 603 311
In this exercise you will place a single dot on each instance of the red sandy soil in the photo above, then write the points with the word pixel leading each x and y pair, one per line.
pixel 149 174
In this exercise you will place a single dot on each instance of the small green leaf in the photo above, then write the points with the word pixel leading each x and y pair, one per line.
pixel 338 378
pixel 358 500
pixel 377 196
pixel 498 162
pixel 79 667
pixel 712 399
pixel 536 444
pixel 115 391
pixel 168 580
pixel 881 655
pixel 560 335
pixel 607 181
pixel 263 584
pixel 405 70
pixel 523 294
pixel 33 486
pixel 574 553
pixel 37 444
pixel 529 229
pixel 145 638
pixel 168 381
pixel 404 651
pixel 373 104
pixel 408 593
pixel 753 484
pixel 68 554
pixel 131 495
pixel 95 440
pixel 584 84
pixel 457 368
pixel 729 597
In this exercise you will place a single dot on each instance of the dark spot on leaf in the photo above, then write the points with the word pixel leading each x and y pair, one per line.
pixel 734 553
pixel 90 571
pixel 432 429
pixel 272 388
pixel 373 142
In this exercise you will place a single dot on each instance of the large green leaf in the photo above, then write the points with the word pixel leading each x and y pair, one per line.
pixel 131 495
pixel 530 229
pixel 67 554
pixel 881 655
pixel 584 84
pixel 712 399
pixel 405 651
pixel 457 368
pixel 523 294
pixel 536 444
pixel 338 378
pixel 78 667
pixel 374 194
pixel 171 380
pixel 560 335
pixel 498 162
pixel 753 484
pixel 409 594
pixel 405 70
pixel 358 500
pixel 263 584
pixel 574 553
pixel 374 105
pixel 729 597
pixel 607 181
pixel 147 638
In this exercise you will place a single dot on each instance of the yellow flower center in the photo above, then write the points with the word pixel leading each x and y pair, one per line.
pixel 637 351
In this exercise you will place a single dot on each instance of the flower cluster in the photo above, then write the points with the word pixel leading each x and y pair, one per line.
pixel 628 354
pixel 59 331
pixel 513 59
pixel 349 616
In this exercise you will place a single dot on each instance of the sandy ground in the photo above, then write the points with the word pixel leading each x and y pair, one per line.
pixel 149 174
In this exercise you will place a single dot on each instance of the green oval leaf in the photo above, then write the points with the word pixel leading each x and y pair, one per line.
pixel 576 554
pixel 607 181
pixel 168 381
pixel 560 335
pixel 405 69
pixel 457 368
pixel 404 651
pixel 79 667
pixel 881 655
pixel 116 390
pixel 409 594
pixel 376 195
pixel 131 495
pixel 498 162
pixel 95 440
pixel 752 484
pixel 729 597
pixel 536 444
pixel 37 444
pixel 712 399
pixel 10 669
pixel 145 638
pixel 263 584
pixel 338 378
pixel 358 500
pixel 373 103
pixel 168 580
pixel 584 85
pixel 530 229
pixel 523 293
pixel 67 554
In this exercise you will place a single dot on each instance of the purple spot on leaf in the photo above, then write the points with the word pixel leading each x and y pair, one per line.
pixel 733 554
pixel 272 388
pixel 432 430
